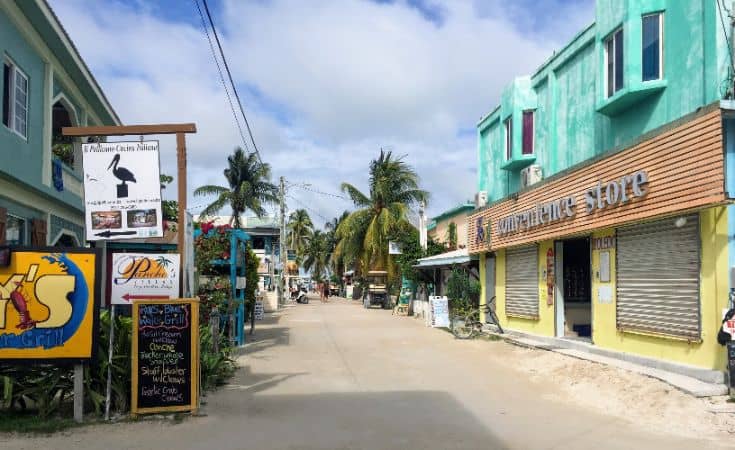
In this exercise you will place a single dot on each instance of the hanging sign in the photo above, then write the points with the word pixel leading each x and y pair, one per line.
pixel 49 305
pixel 394 248
pixel 137 276
pixel 165 356
pixel 122 190
pixel 550 277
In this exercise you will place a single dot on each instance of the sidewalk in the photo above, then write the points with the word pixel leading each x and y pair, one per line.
pixel 692 380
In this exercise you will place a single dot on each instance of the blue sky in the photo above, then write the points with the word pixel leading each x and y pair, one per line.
pixel 325 84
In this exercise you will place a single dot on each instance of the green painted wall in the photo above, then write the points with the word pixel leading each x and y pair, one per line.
pixel 26 164
pixel 573 119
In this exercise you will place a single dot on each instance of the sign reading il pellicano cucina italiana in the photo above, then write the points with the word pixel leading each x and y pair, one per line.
pixel 122 190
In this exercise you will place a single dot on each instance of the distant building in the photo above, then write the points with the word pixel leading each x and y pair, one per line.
pixel 45 86
pixel 438 227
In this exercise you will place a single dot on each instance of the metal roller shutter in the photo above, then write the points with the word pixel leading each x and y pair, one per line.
pixel 521 281
pixel 658 278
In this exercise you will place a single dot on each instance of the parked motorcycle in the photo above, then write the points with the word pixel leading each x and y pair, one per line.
pixel 299 294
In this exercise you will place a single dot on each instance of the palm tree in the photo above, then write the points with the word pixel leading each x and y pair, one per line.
pixel 249 187
pixel 316 255
pixel 300 229
pixel 363 235
pixel 336 261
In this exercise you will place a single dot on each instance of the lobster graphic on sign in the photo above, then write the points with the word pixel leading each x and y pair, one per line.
pixel 47 305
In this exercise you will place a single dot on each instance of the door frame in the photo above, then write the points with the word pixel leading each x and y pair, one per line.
pixel 490 281
pixel 559 313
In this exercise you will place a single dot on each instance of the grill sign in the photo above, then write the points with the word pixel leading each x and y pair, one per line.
pixel 603 195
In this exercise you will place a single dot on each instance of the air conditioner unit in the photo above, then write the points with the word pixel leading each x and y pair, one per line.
pixel 480 199
pixel 530 175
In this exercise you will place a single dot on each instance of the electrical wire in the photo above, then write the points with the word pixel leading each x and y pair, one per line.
pixel 307 207
pixel 222 77
pixel 321 192
pixel 229 75
pixel 730 79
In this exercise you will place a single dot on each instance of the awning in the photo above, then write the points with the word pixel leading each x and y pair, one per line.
pixel 460 256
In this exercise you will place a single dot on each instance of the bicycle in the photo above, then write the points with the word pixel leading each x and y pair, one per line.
pixel 464 327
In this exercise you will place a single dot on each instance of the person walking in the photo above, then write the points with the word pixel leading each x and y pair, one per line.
pixel 326 292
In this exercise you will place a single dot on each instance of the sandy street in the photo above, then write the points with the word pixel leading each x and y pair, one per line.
pixel 336 376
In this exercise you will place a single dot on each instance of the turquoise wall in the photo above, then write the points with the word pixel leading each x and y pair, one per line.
pixel 573 119
pixel 25 163
pixel 21 160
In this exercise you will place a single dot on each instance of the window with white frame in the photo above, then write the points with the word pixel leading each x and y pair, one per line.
pixel 652 51
pixel 508 138
pixel 15 231
pixel 15 99
pixel 614 62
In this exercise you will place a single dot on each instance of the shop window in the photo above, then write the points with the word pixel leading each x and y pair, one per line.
pixel 15 99
pixel 15 231
pixel 614 62
pixel 508 138
pixel 258 243
pixel 62 146
pixel 652 51
pixel 527 133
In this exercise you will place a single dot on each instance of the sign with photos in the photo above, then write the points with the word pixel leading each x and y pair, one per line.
pixel 122 190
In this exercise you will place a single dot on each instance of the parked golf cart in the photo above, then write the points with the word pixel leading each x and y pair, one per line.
pixel 377 290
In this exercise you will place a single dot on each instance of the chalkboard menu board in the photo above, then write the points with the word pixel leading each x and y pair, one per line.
pixel 165 357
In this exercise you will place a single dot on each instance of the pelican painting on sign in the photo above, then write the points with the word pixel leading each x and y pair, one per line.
pixel 121 174
pixel 122 190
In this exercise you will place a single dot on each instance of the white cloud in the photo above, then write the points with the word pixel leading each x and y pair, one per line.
pixel 348 76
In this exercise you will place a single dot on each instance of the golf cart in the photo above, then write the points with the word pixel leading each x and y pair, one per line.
pixel 377 290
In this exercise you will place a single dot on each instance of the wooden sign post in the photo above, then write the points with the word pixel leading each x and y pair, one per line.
pixel 165 361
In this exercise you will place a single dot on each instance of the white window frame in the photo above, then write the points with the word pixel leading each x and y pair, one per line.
pixel 660 45
pixel 508 142
pixel 611 38
pixel 24 228
pixel 15 71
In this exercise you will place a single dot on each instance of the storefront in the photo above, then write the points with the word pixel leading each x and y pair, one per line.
pixel 628 251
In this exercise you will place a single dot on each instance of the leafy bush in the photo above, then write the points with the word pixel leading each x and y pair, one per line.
pixel 462 292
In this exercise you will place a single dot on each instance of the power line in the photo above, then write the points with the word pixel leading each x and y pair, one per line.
pixel 307 207
pixel 222 77
pixel 321 192
pixel 229 75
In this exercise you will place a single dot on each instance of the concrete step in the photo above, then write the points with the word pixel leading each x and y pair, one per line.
pixel 702 383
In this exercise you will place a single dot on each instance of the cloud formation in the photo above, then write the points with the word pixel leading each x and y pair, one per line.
pixel 325 84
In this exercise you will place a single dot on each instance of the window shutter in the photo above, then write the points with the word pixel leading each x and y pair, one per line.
pixel 38 232
pixel 3 224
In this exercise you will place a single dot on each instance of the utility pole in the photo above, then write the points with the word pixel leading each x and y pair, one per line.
pixel 422 225
pixel 282 241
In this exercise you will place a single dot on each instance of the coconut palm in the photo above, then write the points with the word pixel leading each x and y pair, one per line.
pixel 248 187
pixel 300 229
pixel 316 255
pixel 336 261
pixel 363 235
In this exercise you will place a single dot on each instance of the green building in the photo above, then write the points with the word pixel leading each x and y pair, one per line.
pixel 45 86
pixel 608 175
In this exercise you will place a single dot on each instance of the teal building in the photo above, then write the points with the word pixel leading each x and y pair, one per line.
pixel 606 181
pixel 45 86
pixel 640 65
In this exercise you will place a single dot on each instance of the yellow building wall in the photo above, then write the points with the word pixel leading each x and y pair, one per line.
pixel 713 297
pixel 544 325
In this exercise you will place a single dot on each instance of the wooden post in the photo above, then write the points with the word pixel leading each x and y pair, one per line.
pixel 181 183
pixel 108 397
pixel 79 392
